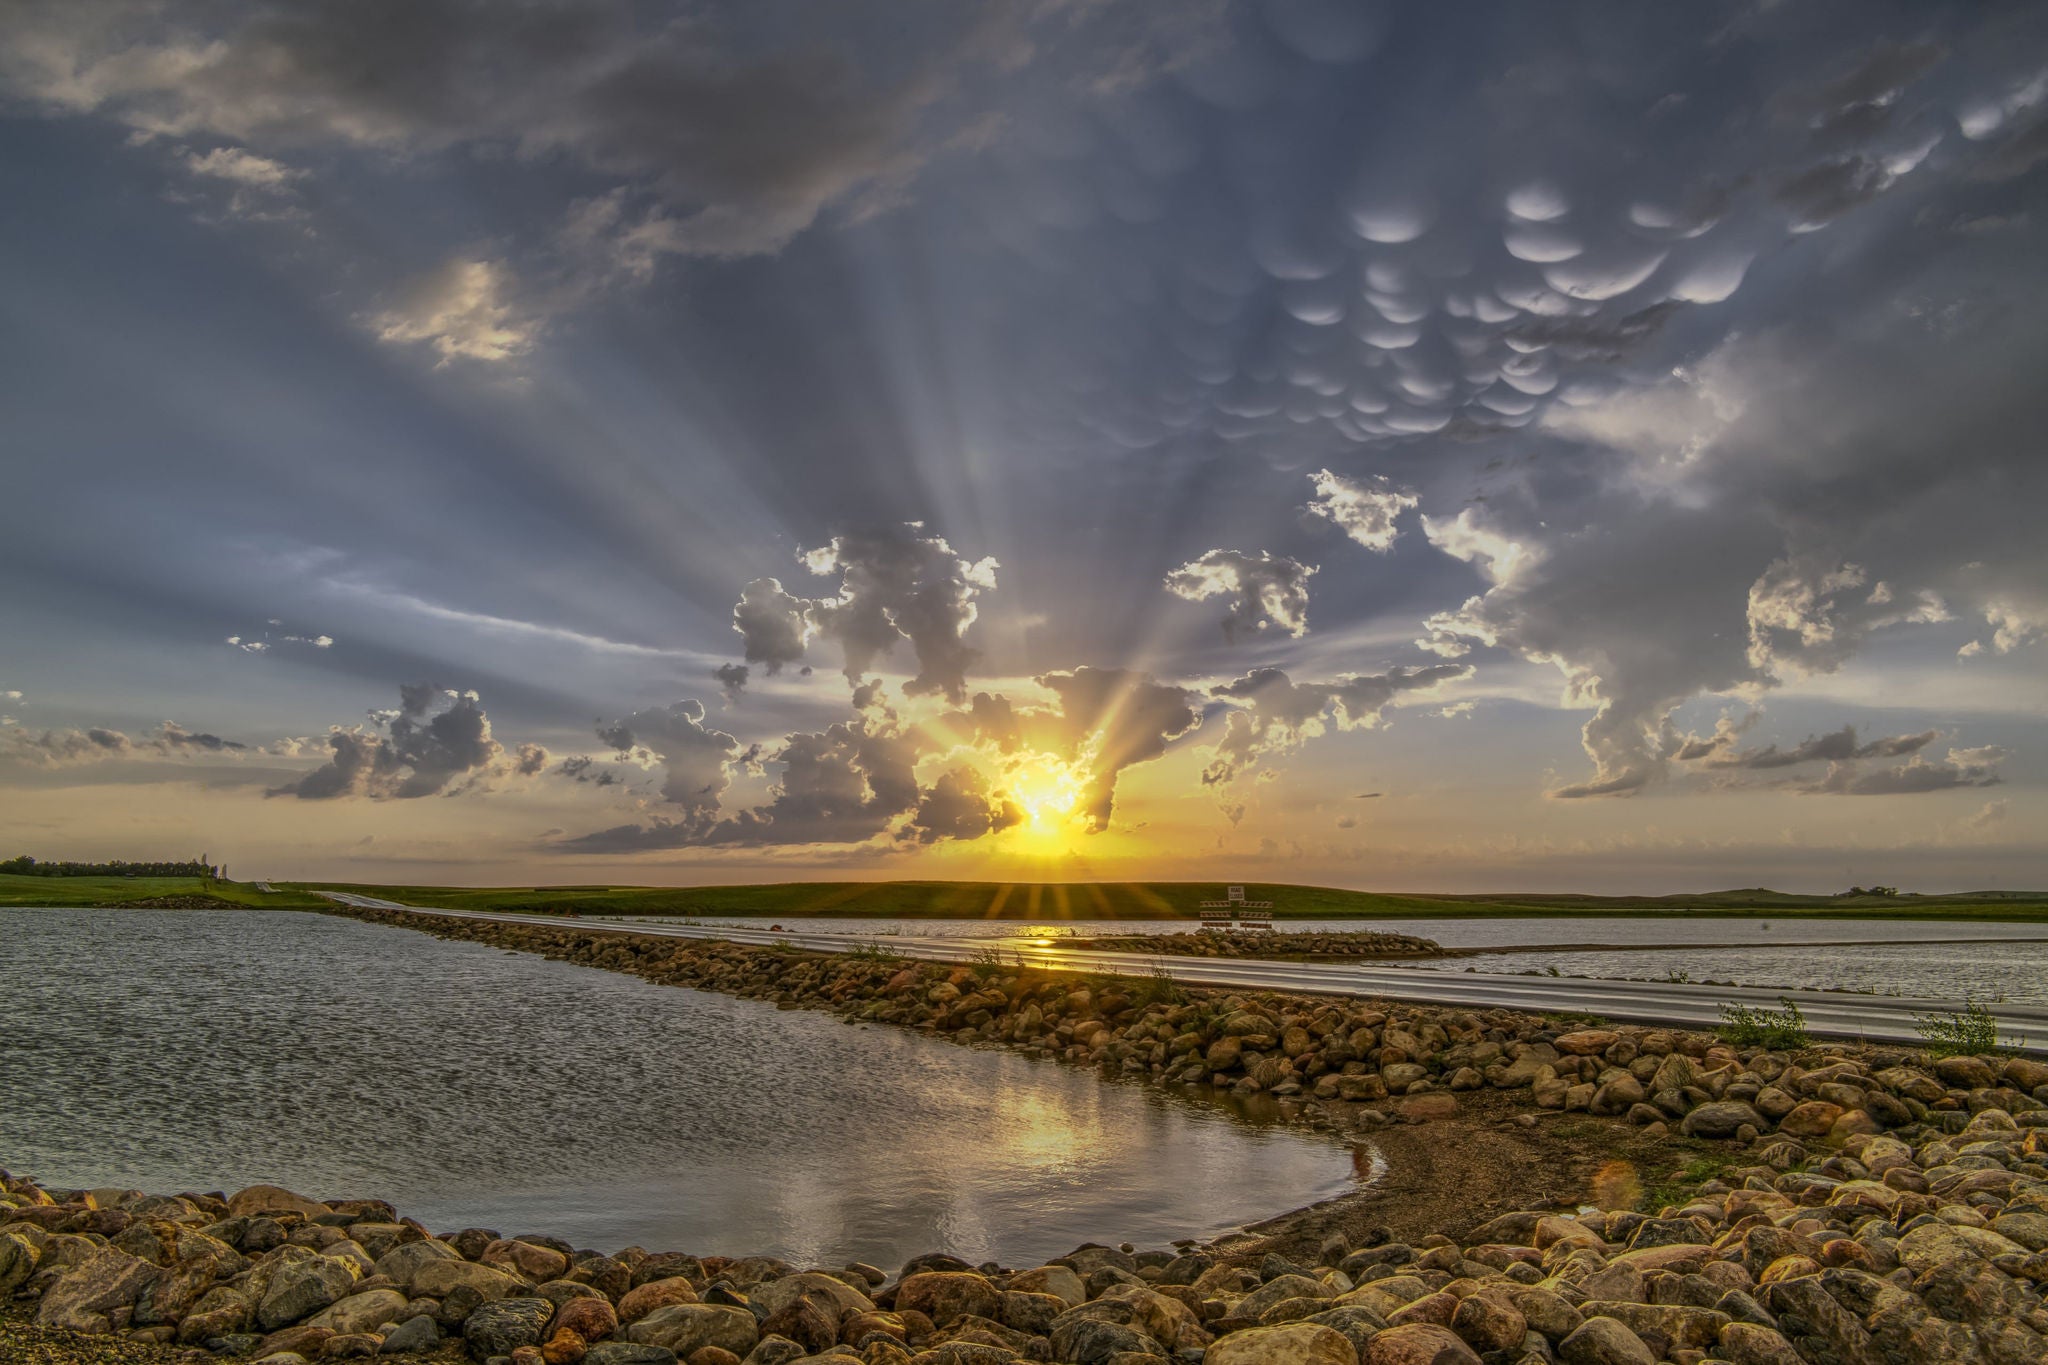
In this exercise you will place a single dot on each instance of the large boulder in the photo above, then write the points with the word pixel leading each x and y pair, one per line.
pixel 1604 1341
pixel 1293 1343
pixel 18 1258
pixel 99 1294
pixel 637 1303
pixel 1056 1280
pixel 1085 1339
pixel 364 1312
pixel 264 1199
pixel 776 1295
pixel 525 1259
pixel 1722 1119
pixel 944 1295
pixel 298 1289
pixel 438 1279
pixel 403 1263
pixel 684 1327
pixel 503 1326
pixel 1419 1343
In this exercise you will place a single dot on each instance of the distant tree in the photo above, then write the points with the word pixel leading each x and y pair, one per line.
pixel 25 866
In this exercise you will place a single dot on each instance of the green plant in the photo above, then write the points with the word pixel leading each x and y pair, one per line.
pixel 1759 1026
pixel 873 951
pixel 1678 976
pixel 1971 1031
pixel 985 962
pixel 1158 987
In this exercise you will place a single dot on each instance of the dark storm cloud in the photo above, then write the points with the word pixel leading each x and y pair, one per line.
pixel 695 759
pixel 737 138
pixel 961 806
pixel 732 678
pixel 437 742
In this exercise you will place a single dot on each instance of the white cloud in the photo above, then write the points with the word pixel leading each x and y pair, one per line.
pixel 465 309
pixel 1261 588
pixel 1367 510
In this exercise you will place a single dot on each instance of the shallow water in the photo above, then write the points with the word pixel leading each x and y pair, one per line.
pixel 1988 972
pixel 1475 932
pixel 472 1086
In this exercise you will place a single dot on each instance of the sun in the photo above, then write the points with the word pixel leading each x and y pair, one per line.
pixel 1047 791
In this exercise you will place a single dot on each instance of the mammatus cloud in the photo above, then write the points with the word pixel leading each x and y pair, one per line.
pixel 1271 713
pixel 896 584
pixel 436 742
pixel 1367 510
pixel 1260 589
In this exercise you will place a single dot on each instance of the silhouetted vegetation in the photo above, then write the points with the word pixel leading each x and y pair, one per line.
pixel 25 866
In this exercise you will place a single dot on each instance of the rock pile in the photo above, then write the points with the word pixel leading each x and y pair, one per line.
pixel 1279 943
pixel 1333 1056
pixel 1890 1250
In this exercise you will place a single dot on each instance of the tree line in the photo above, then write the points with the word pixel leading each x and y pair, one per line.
pixel 25 866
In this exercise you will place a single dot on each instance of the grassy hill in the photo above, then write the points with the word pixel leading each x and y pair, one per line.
pixel 1052 901
pixel 1168 900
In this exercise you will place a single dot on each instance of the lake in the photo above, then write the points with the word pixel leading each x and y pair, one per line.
pixel 171 1050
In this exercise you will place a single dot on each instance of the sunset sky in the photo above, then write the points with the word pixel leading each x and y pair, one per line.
pixel 1550 446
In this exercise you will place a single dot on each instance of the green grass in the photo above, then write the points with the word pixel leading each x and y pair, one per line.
pixel 1055 901
pixel 1708 1165
pixel 74 891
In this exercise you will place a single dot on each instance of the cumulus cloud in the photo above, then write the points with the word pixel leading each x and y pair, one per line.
pixel 1837 746
pixel 242 167
pixel 1260 589
pixel 69 747
pixel 732 678
pixel 1111 719
pixel 960 805
pixel 842 785
pixel 695 760
pixel 463 309
pixel 1962 768
pixel 895 584
pixel 1368 510
pixel 261 642
pixel 435 742
pixel 1271 713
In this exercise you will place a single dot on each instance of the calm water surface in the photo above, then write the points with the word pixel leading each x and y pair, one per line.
pixel 1950 960
pixel 168 1050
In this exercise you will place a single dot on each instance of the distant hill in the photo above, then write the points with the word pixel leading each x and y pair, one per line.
pixel 1166 900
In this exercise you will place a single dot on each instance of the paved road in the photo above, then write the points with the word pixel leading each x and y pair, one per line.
pixel 1828 1013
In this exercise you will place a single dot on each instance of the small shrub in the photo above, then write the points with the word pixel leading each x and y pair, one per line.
pixel 1782 1030
pixel 985 962
pixel 1158 987
pixel 873 951
pixel 1971 1031
pixel 1678 976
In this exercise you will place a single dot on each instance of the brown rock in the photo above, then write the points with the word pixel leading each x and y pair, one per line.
pixel 1604 1341
pixel 535 1263
pixel 593 1319
pixel 1586 1042
pixel 1745 1343
pixel 262 1199
pixel 1811 1119
pixel 638 1303
pixel 943 1295
pixel 1295 1343
pixel 1489 1323
pixel 564 1347
pixel 1418 1343
pixel 86 1297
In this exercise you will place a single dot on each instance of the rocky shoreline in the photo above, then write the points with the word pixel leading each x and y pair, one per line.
pixel 1864 1206
pixel 1307 944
